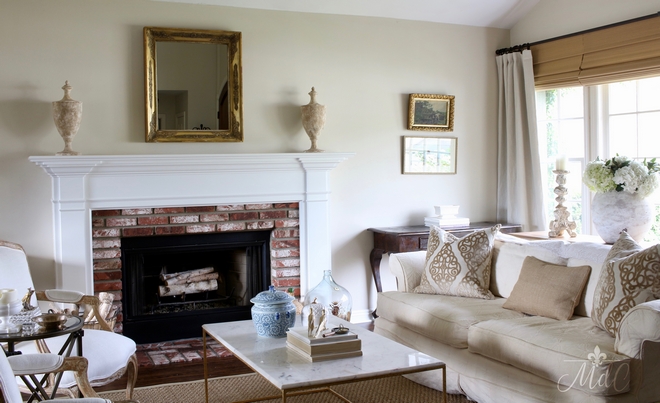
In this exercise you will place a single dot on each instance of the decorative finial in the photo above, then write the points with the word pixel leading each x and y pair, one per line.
pixel 312 94
pixel 67 90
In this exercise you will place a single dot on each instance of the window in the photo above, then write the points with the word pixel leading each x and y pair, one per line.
pixel 561 130
pixel 596 121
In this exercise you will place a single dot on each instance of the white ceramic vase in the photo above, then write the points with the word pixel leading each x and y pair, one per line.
pixel 313 120
pixel 67 114
pixel 612 212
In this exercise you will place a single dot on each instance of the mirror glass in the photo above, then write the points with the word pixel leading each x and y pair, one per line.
pixel 193 85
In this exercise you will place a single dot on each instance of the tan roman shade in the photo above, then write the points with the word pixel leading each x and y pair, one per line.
pixel 615 53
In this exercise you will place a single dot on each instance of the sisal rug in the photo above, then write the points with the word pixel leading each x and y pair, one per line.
pixel 396 389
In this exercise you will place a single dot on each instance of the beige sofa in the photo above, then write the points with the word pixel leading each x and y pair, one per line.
pixel 500 355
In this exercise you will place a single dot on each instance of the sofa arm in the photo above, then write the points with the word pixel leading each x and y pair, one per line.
pixel 641 323
pixel 408 268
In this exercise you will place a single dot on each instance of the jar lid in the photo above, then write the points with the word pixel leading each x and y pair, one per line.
pixel 271 297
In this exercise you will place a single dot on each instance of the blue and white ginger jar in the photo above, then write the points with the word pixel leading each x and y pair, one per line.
pixel 273 313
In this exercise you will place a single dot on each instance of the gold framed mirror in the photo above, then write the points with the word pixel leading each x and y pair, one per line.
pixel 193 85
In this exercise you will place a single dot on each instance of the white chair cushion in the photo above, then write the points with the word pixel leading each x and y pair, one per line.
pixel 26 364
pixel 107 353
pixel 64 295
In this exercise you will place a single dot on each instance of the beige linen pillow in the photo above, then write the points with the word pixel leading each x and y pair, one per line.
pixel 458 266
pixel 547 289
pixel 625 282
pixel 508 260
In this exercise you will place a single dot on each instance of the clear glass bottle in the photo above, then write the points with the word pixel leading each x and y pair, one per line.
pixel 335 298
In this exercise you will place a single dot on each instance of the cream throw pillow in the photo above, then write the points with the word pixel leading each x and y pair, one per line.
pixel 458 266
pixel 547 289
pixel 630 276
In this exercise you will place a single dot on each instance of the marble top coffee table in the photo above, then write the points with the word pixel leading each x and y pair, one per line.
pixel 292 375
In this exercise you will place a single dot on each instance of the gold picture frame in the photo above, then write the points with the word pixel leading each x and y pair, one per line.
pixel 431 112
pixel 429 155
pixel 221 111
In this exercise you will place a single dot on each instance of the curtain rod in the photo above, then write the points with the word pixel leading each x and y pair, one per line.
pixel 524 46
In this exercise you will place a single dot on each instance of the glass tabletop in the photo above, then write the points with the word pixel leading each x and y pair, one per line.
pixel 73 323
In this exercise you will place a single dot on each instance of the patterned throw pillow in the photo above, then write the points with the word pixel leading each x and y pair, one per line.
pixel 630 276
pixel 458 266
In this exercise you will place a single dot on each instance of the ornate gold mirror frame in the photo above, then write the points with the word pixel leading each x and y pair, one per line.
pixel 185 132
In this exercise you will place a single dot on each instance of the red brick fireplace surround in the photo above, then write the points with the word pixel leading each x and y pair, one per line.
pixel 110 226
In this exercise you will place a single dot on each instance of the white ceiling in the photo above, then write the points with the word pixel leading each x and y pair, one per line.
pixel 482 13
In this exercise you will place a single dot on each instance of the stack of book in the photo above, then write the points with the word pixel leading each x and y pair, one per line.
pixel 447 222
pixel 324 348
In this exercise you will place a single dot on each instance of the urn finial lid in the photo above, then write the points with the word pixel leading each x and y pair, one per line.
pixel 272 296
pixel 312 95
pixel 67 91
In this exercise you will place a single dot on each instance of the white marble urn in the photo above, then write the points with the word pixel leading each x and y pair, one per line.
pixel 67 114
pixel 613 212
pixel 313 120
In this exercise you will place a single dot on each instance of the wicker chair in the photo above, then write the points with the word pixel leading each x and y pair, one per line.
pixel 110 355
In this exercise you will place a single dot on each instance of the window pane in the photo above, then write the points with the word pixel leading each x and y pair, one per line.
pixel 623 97
pixel 623 135
pixel 572 138
pixel 560 118
pixel 571 104
pixel 649 134
pixel 649 90
pixel 574 196
pixel 546 105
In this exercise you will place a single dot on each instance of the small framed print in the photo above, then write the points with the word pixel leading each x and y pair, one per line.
pixel 429 112
pixel 429 155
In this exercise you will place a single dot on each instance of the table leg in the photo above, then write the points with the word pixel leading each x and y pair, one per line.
pixel 444 384
pixel 375 257
pixel 206 370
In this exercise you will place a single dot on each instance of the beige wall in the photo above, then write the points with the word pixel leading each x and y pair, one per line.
pixel 552 18
pixel 362 68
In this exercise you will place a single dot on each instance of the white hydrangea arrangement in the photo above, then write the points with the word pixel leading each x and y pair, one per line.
pixel 622 174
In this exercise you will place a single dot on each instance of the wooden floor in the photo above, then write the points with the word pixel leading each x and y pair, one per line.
pixel 189 371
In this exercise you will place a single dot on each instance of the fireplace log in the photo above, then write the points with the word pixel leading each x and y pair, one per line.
pixel 192 288
pixel 195 279
pixel 186 274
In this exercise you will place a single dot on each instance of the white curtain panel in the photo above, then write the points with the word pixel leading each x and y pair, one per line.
pixel 520 194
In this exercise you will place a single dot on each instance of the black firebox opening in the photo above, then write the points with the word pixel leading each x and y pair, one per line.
pixel 172 285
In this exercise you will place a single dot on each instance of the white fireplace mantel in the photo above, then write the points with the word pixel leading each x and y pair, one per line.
pixel 81 184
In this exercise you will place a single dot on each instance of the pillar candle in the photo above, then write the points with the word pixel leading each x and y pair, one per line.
pixel 7 296
pixel 562 163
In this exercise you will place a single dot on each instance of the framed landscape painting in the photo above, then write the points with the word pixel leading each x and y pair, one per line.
pixel 429 112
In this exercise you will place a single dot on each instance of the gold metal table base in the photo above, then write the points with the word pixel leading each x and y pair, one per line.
pixel 286 394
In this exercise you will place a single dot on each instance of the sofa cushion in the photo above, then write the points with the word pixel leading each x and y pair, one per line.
pixel 581 254
pixel 508 258
pixel 440 317
pixel 586 302
pixel 574 353
pixel 547 290
pixel 625 282
pixel 458 266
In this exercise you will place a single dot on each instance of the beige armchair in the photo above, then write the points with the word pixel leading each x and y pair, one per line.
pixel 110 355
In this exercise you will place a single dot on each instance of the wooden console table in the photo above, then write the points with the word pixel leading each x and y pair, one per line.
pixel 413 238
